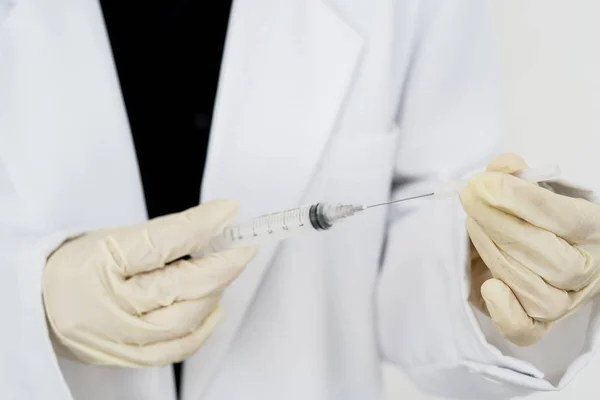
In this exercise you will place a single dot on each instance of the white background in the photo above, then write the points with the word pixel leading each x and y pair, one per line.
pixel 551 62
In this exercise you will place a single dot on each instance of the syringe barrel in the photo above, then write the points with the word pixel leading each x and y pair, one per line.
pixel 281 225
pixel 275 226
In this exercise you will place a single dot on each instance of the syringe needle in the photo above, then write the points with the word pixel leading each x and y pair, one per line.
pixel 400 200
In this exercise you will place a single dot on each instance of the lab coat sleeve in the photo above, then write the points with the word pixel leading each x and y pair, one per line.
pixel 58 94
pixel 29 368
pixel 450 127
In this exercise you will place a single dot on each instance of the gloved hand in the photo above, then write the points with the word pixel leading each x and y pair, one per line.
pixel 536 253
pixel 113 298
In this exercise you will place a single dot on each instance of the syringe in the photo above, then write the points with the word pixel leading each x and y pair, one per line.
pixel 323 216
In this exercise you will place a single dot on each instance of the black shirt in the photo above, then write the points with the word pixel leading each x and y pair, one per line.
pixel 168 56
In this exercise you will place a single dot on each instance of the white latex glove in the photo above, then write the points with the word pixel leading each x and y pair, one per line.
pixel 111 298
pixel 536 253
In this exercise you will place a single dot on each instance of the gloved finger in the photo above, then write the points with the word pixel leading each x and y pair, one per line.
pixel 182 280
pixel 176 350
pixel 479 274
pixel 539 299
pixel 569 218
pixel 551 257
pixel 509 317
pixel 177 320
pixel 151 245
pixel 507 163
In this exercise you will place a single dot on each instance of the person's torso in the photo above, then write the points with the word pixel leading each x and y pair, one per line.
pixel 307 108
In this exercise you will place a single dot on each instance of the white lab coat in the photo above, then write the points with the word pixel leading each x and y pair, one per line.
pixel 319 100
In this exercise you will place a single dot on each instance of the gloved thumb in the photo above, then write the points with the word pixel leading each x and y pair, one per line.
pixel 508 163
pixel 508 316
pixel 148 246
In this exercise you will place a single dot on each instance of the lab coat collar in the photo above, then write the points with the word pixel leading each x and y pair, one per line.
pixel 287 68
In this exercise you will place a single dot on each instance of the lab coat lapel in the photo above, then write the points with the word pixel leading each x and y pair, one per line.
pixel 287 69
